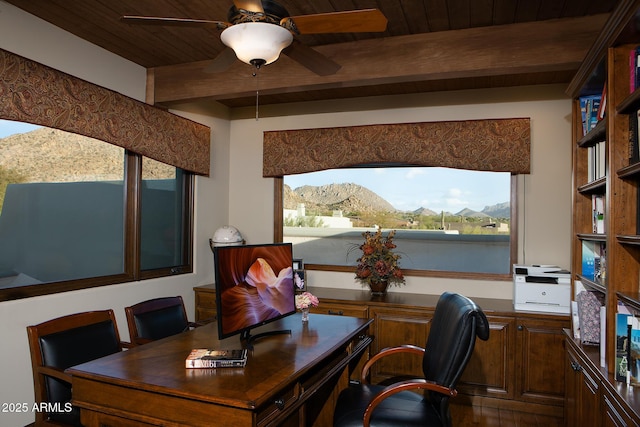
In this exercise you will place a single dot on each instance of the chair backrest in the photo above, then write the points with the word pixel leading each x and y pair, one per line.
pixel 456 323
pixel 64 342
pixel 156 318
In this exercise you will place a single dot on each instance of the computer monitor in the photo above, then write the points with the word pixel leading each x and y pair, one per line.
pixel 254 286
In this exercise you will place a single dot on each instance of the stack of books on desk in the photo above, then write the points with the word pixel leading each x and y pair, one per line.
pixel 207 358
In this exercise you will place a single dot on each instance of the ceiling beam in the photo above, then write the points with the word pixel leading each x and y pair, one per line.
pixel 535 47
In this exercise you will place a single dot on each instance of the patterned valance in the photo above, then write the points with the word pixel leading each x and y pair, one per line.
pixel 499 145
pixel 34 93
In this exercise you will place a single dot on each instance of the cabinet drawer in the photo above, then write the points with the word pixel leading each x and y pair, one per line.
pixel 282 401
pixel 206 300
pixel 341 310
pixel 205 315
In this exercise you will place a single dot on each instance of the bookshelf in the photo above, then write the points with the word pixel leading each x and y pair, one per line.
pixel 607 68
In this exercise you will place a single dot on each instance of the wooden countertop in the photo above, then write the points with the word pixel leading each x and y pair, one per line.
pixel 492 306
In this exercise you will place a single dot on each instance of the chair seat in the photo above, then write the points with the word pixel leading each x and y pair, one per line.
pixel 405 408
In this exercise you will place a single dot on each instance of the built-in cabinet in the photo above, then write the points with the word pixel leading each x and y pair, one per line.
pixel 611 68
pixel 513 369
pixel 593 397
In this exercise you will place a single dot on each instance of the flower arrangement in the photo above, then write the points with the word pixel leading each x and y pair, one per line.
pixel 378 263
pixel 306 300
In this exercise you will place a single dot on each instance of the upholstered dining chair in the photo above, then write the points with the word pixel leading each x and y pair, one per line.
pixel 456 323
pixel 157 318
pixel 60 343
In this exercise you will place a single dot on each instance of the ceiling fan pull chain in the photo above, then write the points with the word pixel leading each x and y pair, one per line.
pixel 256 75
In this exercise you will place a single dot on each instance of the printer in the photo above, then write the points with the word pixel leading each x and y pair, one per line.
pixel 545 288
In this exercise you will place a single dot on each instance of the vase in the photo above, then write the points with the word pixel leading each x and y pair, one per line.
pixel 378 288
pixel 305 315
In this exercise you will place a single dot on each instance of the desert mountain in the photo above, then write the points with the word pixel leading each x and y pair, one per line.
pixel 356 198
pixel 346 197
pixel 51 155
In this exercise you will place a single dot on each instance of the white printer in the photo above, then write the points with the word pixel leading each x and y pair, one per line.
pixel 544 288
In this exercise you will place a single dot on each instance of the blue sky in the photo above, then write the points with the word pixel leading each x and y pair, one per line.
pixel 410 188
pixel 8 127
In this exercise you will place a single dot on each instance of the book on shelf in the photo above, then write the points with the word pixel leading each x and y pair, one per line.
pixel 594 261
pixel 634 136
pixel 208 358
pixel 627 367
pixel 597 204
pixel 589 107
pixel 589 315
pixel 623 334
pixel 596 161
pixel 603 104
pixel 633 360
pixel 634 69
pixel 603 336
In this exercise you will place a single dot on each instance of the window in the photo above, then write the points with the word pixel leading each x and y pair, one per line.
pixel 69 213
pixel 164 230
pixel 448 221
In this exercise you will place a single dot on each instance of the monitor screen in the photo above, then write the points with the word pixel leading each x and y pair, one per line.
pixel 254 286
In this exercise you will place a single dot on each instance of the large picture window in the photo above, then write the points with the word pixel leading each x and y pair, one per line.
pixel 448 221
pixel 439 239
pixel 71 208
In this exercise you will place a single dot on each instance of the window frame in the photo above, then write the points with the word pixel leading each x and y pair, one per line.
pixel 278 235
pixel 132 242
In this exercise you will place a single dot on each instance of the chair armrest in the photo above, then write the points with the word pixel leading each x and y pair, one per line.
pixel 55 373
pixel 404 386
pixel 412 349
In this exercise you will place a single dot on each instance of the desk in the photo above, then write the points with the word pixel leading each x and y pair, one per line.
pixel 289 379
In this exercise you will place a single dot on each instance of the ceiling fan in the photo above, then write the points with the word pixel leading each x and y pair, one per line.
pixel 258 30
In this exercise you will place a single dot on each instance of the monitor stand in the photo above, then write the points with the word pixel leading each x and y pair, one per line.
pixel 248 339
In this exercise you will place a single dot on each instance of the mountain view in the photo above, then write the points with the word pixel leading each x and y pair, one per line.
pixel 353 197
pixel 364 207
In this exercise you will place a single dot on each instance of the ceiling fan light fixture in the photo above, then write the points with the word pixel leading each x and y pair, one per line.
pixel 256 42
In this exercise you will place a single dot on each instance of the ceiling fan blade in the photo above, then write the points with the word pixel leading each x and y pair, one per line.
pixel 311 59
pixel 222 62
pixel 249 5
pixel 351 21
pixel 175 22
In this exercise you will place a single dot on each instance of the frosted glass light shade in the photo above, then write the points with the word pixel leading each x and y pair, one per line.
pixel 256 41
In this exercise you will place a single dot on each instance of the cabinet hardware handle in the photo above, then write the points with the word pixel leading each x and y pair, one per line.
pixel 279 404
pixel 576 366
pixel 337 313
pixel 520 328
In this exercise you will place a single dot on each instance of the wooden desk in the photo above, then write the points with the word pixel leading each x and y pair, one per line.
pixel 289 379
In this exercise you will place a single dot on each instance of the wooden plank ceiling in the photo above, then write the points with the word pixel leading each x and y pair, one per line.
pixel 428 45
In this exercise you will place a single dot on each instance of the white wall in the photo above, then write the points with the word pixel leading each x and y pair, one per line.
pixel 544 218
pixel 24 35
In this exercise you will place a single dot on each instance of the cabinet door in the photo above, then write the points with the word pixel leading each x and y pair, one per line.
pixel 540 374
pixel 490 369
pixel 582 397
pixel 394 327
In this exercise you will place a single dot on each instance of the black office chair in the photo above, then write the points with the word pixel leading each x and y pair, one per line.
pixel 59 344
pixel 157 318
pixel 456 323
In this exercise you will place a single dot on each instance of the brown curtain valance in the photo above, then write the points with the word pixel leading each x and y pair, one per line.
pixel 34 93
pixel 499 145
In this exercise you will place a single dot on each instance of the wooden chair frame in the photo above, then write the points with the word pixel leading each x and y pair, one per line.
pixel 410 384
pixel 41 371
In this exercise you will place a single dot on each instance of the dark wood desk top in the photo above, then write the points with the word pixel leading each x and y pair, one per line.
pixel 275 362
